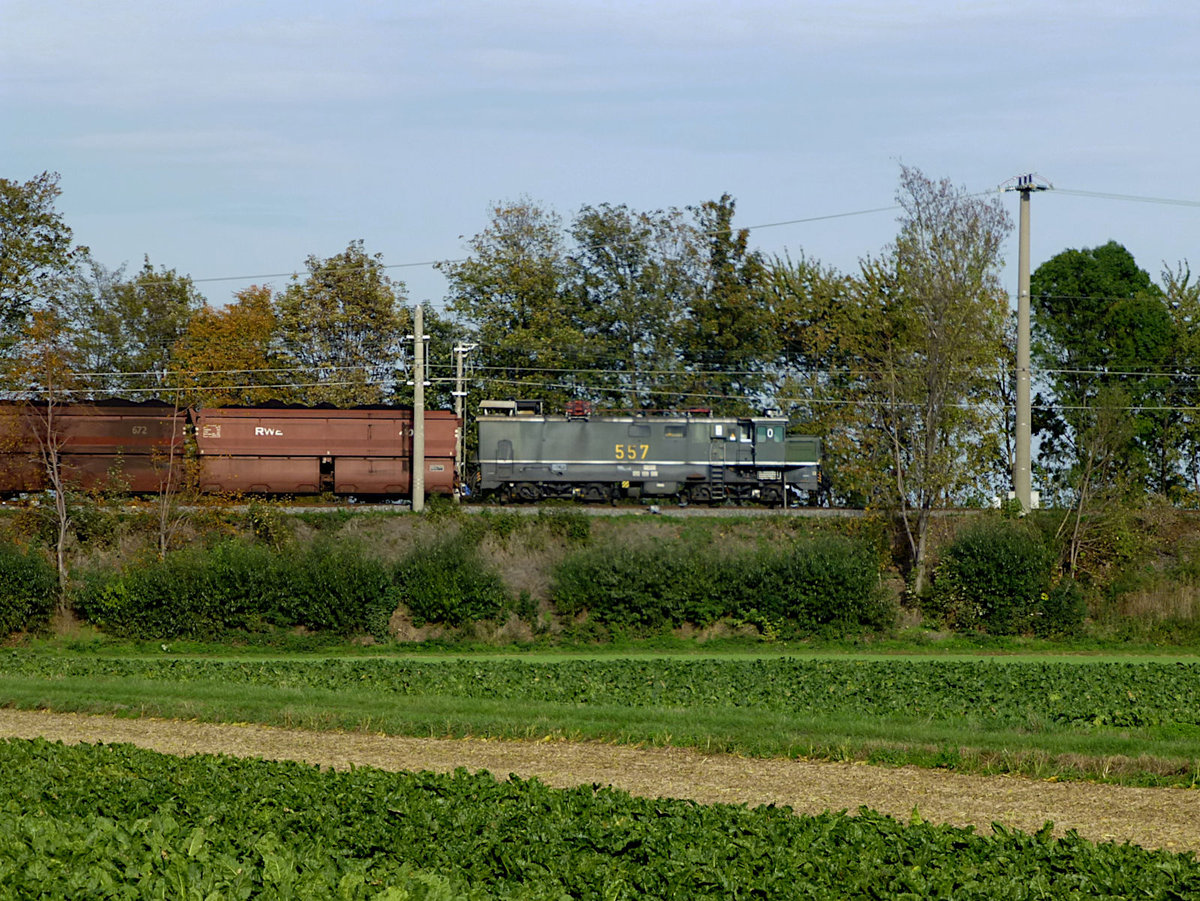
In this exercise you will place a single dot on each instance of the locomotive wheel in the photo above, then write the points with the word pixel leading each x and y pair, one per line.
pixel 596 493
pixel 772 497
pixel 527 492
pixel 700 494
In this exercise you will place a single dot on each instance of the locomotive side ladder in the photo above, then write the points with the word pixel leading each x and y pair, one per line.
pixel 716 468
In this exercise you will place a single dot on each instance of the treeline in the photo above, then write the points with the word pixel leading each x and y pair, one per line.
pixel 905 367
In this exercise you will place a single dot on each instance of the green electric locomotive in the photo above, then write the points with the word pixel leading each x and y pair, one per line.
pixel 527 455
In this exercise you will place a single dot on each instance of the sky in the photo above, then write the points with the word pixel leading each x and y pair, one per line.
pixel 230 141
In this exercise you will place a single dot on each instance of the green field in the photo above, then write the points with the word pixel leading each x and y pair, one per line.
pixel 1134 721
pixel 112 821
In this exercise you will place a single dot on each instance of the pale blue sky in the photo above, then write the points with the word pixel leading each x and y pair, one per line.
pixel 235 138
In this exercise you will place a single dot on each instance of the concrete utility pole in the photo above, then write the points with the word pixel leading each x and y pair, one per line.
pixel 460 394
pixel 418 451
pixel 1022 481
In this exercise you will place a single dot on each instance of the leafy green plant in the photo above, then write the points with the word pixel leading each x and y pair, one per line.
pixel 812 584
pixel 447 582
pixel 118 821
pixel 1083 696
pixel 28 590
pixel 819 583
pixel 337 587
pixel 993 577
pixel 1061 610
pixel 572 525
pixel 201 593
pixel 267 523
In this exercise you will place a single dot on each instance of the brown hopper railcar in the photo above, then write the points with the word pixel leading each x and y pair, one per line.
pixel 310 450
pixel 266 450
pixel 136 447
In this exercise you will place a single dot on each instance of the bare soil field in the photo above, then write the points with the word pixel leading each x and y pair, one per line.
pixel 1151 817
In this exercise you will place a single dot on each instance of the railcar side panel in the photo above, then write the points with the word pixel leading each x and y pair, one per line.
pixel 260 475
pixel 364 451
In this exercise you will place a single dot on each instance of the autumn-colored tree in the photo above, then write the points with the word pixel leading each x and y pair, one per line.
pixel 227 356
pixel 342 328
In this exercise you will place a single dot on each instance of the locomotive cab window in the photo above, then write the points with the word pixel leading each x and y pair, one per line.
pixel 769 434
pixel 675 431
pixel 639 430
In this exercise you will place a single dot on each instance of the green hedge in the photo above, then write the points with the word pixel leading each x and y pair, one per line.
pixel 817 584
pixel 997 576
pixel 202 593
pixel 28 590
pixel 447 582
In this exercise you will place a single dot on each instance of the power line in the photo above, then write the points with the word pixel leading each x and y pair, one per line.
pixel 1135 198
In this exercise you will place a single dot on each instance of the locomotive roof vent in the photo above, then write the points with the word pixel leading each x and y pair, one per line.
pixel 578 409
pixel 510 407
pixel 498 407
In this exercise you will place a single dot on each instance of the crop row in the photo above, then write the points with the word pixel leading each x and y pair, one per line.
pixel 119 822
pixel 1079 695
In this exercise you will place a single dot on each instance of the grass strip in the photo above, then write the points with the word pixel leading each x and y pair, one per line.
pixel 1142 756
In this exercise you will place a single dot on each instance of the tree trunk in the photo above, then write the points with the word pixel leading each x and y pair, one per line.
pixel 920 574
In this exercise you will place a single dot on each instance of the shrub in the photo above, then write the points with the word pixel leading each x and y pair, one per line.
pixel 201 593
pixel 446 582
pixel 649 586
pixel 192 593
pixel 824 581
pixel 572 525
pixel 810 585
pixel 28 590
pixel 993 577
pixel 1062 610
pixel 336 587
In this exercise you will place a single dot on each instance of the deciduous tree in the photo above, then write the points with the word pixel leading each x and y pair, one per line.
pixel 227 354
pixel 634 275
pixel 43 363
pixel 1101 323
pixel 343 328
pixel 513 295
pixel 36 253
pixel 730 335
pixel 928 329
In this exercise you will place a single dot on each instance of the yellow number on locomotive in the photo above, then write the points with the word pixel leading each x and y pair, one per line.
pixel 630 451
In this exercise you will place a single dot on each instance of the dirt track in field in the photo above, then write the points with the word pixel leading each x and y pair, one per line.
pixel 1151 817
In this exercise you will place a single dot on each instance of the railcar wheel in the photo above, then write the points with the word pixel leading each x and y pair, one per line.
pixel 772 497
pixel 596 493
pixel 701 494
pixel 527 492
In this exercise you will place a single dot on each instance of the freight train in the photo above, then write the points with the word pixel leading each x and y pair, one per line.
pixel 524 455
